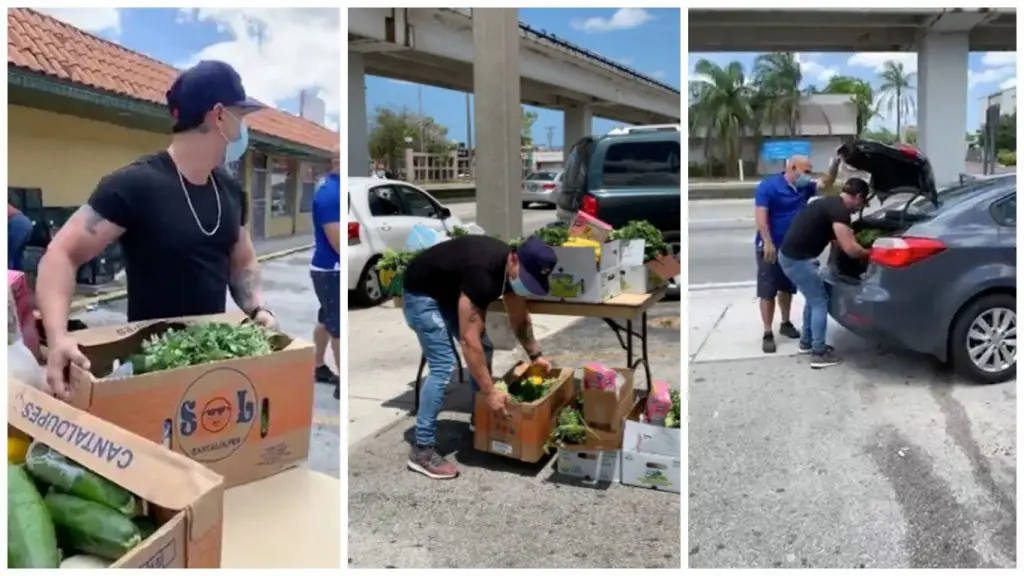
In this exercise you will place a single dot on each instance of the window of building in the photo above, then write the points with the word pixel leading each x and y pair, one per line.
pixel 282 185
pixel 312 174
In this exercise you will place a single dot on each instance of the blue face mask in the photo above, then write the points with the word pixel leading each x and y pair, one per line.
pixel 236 148
pixel 802 180
pixel 518 287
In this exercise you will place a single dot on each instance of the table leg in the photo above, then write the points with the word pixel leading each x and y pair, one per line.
pixel 629 343
pixel 643 349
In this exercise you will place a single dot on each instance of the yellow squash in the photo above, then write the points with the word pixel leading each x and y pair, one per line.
pixel 16 450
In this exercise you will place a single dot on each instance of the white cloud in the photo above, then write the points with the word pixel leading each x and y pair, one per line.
pixel 278 52
pixel 93 20
pixel 998 59
pixel 659 74
pixel 1008 83
pixel 876 60
pixel 813 71
pixel 624 61
pixel 990 75
pixel 623 19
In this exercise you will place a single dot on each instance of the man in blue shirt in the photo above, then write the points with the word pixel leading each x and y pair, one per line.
pixel 777 201
pixel 325 270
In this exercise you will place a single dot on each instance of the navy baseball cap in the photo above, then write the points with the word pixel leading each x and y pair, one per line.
pixel 197 90
pixel 536 261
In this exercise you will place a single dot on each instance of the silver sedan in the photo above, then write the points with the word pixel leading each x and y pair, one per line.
pixel 542 187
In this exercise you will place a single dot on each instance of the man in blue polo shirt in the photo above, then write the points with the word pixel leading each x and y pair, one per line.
pixel 325 270
pixel 777 201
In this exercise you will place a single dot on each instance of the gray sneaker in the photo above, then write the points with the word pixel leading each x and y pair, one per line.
pixel 825 359
pixel 426 461
pixel 806 348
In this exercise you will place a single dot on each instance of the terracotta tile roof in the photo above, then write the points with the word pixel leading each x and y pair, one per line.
pixel 45 45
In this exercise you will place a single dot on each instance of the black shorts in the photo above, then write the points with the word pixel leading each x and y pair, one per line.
pixel 327 285
pixel 770 278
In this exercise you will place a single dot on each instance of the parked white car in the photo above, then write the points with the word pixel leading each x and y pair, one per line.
pixel 381 214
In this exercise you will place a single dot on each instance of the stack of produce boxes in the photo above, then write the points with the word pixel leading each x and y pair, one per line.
pixel 589 432
pixel 83 493
pixel 536 398
pixel 651 448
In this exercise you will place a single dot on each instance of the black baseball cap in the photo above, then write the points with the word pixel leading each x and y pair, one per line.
pixel 197 90
pixel 857 187
pixel 536 261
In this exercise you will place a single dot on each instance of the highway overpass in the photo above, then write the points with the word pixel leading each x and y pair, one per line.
pixel 942 39
pixel 504 62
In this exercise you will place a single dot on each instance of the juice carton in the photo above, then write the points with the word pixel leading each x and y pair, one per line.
pixel 659 402
pixel 597 376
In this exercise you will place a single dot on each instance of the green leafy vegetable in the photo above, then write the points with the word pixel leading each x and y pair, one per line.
pixel 527 389
pixel 672 419
pixel 396 261
pixel 458 231
pixel 199 344
pixel 868 236
pixel 654 242
pixel 570 429
pixel 553 236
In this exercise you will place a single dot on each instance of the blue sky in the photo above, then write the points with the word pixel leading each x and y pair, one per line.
pixel 646 40
pixel 988 72
pixel 262 44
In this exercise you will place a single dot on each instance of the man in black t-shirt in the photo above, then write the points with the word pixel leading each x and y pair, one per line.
pixel 178 214
pixel 821 222
pixel 447 291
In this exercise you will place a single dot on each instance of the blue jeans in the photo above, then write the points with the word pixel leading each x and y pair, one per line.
pixel 19 230
pixel 804 273
pixel 436 328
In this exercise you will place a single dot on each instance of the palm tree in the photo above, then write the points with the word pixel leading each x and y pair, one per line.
pixel 863 97
pixel 897 91
pixel 720 109
pixel 778 76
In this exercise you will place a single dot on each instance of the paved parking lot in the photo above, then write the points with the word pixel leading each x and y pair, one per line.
pixel 888 461
pixel 288 292
pixel 502 514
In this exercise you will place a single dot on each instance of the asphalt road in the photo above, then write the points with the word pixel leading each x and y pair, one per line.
pixel 721 241
pixel 503 514
pixel 287 291
pixel 885 462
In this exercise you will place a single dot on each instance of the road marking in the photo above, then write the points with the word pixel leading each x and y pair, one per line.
pixel 737 220
pixel 722 286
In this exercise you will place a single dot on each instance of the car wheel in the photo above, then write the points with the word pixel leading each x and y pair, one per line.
pixel 983 342
pixel 369 292
pixel 526 205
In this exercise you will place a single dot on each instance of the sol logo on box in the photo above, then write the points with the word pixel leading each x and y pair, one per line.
pixel 216 414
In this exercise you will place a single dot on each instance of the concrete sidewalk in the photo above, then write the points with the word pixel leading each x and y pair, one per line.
pixel 725 324
pixel 504 514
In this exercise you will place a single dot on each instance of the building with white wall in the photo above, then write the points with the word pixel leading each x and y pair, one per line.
pixel 1006 99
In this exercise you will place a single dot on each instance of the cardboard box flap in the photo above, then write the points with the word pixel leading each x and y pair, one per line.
pixel 119 456
pixel 100 335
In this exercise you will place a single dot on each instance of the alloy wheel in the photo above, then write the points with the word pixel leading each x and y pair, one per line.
pixel 992 340
pixel 371 286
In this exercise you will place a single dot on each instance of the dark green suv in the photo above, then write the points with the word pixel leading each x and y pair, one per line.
pixel 633 174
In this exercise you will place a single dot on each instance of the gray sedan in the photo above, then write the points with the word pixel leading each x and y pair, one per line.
pixel 542 187
pixel 941 280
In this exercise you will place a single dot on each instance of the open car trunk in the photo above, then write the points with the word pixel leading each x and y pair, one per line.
pixel 851 269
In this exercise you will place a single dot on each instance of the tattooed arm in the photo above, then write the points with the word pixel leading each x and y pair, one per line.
pixel 522 326
pixel 83 238
pixel 244 283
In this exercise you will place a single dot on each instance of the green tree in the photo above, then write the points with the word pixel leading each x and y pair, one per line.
pixel 863 97
pixel 528 120
pixel 389 130
pixel 720 109
pixel 897 92
pixel 882 135
pixel 777 77
pixel 1006 133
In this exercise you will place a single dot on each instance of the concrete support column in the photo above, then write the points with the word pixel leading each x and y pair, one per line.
pixel 498 121
pixel 358 136
pixel 942 103
pixel 578 123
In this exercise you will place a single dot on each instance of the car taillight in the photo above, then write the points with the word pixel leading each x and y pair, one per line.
pixel 589 205
pixel 353 231
pixel 904 251
pixel 549 186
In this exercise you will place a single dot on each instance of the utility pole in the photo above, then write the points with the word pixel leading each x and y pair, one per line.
pixel 469 138
pixel 551 136
pixel 419 94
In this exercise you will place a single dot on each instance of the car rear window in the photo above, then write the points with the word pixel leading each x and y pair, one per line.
pixel 544 176
pixel 641 164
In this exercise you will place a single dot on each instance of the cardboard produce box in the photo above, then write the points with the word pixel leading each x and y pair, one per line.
pixel 245 419
pixel 639 277
pixel 580 277
pixel 651 455
pixel 522 436
pixel 184 496
pixel 599 458
pixel 606 409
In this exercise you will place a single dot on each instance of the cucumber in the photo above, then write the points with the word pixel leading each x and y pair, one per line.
pixel 31 539
pixel 147 526
pixel 68 476
pixel 92 528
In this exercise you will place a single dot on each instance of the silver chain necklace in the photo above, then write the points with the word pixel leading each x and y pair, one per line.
pixel 188 198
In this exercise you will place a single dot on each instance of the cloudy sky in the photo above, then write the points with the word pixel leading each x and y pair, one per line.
pixel 263 44
pixel 988 73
